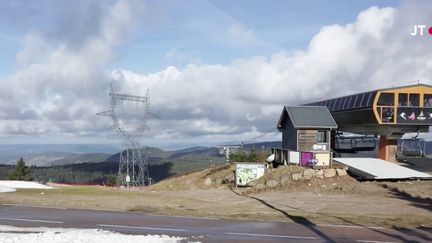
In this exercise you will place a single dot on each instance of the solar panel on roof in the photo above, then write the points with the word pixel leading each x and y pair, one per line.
pixel 310 116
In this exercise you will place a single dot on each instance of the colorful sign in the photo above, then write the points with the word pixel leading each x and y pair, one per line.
pixel 411 115
pixel 247 172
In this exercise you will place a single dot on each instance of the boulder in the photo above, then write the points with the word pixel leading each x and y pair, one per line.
pixel 319 174
pixel 251 183
pixel 329 173
pixel 260 186
pixel 341 172
pixel 308 174
pixel 284 179
pixel 229 179
pixel 296 176
pixel 218 182
pixel 208 181
pixel 272 184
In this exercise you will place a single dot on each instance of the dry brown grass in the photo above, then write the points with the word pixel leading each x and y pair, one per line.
pixel 335 200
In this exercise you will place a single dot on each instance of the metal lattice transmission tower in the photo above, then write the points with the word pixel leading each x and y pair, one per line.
pixel 133 164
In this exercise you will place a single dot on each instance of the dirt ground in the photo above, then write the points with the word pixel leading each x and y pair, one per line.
pixel 337 200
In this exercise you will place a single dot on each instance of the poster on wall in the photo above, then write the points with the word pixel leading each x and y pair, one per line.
pixel 247 172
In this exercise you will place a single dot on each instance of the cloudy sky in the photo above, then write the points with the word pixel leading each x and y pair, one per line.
pixel 217 71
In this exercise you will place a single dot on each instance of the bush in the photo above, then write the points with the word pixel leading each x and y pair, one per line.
pixel 249 156
pixel 111 180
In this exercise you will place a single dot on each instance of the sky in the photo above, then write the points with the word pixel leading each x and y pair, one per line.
pixel 217 71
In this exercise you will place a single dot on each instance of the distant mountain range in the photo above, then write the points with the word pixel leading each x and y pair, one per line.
pixel 63 154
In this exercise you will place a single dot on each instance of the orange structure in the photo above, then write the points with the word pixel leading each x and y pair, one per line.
pixel 388 113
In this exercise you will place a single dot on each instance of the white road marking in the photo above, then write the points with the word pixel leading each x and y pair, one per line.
pixel 274 236
pixel 141 227
pixel 184 217
pixel 33 220
pixel 376 241
pixel 31 206
pixel 350 226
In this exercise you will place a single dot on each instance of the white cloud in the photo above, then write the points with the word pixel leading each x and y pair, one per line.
pixel 62 87
pixel 374 51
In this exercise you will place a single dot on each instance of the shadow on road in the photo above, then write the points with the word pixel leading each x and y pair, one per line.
pixel 297 219
pixel 313 227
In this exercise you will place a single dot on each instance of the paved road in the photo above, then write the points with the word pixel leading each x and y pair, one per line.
pixel 203 229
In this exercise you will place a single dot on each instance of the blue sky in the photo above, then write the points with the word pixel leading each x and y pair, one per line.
pixel 217 71
pixel 181 32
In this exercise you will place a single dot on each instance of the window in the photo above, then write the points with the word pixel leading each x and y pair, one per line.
pixel 403 99
pixel 427 100
pixel 370 98
pixel 387 115
pixel 386 99
pixel 306 136
pixel 334 105
pixel 350 103
pixel 339 104
pixel 414 99
pixel 365 100
pixel 356 101
pixel 321 137
pixel 360 102
pixel 329 104
pixel 345 101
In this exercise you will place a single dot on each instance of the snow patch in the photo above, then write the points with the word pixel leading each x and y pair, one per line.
pixel 60 235
pixel 6 189
pixel 24 184
pixel 11 186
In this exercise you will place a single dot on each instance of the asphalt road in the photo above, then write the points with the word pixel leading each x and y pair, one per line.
pixel 203 229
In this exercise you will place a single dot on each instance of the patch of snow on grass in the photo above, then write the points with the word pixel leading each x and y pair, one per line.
pixel 23 185
pixel 6 189
pixel 83 235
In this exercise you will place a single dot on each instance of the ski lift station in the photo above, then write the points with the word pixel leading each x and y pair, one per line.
pixel 385 113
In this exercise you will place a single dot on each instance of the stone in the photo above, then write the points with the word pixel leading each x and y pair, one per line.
pixel 296 176
pixel 308 174
pixel 329 173
pixel 341 172
pixel 208 181
pixel 272 184
pixel 259 186
pixel 319 174
pixel 251 183
pixel 284 179
pixel 218 182
pixel 229 178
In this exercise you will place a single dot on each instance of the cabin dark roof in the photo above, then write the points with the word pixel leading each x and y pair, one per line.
pixel 355 101
pixel 307 117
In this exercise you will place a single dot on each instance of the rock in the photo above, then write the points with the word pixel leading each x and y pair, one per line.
pixel 272 184
pixel 341 172
pixel 284 179
pixel 319 174
pixel 296 176
pixel 329 173
pixel 218 182
pixel 308 174
pixel 251 183
pixel 259 186
pixel 208 181
pixel 229 179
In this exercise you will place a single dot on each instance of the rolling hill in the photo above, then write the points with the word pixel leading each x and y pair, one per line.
pixel 96 168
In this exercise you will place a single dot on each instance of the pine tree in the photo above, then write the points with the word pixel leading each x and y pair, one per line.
pixel 21 172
